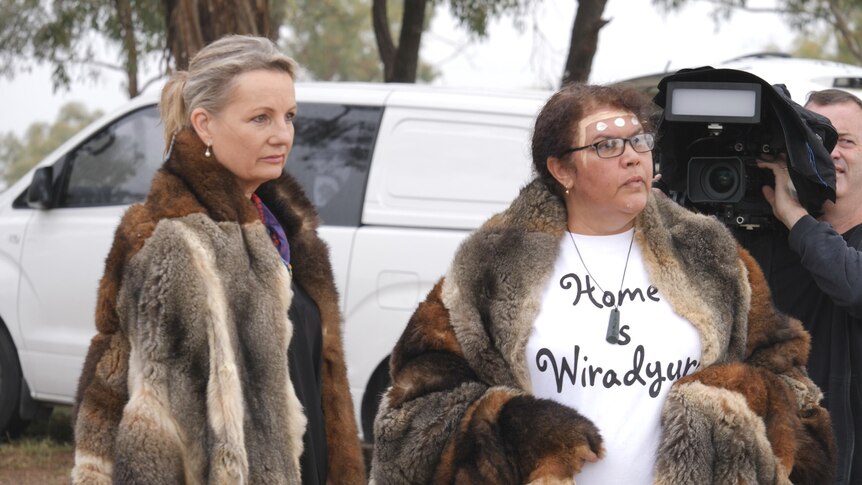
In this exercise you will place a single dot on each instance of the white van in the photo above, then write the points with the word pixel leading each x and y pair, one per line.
pixel 400 174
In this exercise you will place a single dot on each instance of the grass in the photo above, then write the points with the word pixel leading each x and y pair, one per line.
pixel 42 455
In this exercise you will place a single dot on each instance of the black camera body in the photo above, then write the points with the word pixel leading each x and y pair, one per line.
pixel 717 123
pixel 729 187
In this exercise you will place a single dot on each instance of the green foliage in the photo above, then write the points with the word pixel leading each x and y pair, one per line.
pixel 822 45
pixel 334 39
pixel 819 36
pixel 67 35
pixel 17 156
pixel 827 29
pixel 474 15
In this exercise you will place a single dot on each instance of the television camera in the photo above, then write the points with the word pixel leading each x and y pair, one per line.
pixel 716 124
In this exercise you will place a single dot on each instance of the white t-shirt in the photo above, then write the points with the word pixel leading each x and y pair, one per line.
pixel 620 387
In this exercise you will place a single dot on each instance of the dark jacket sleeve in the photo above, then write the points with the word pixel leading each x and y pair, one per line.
pixel 835 265
pixel 441 423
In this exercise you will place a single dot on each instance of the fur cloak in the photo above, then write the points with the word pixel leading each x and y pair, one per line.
pixel 460 408
pixel 187 379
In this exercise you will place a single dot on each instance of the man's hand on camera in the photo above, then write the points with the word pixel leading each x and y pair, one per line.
pixel 782 198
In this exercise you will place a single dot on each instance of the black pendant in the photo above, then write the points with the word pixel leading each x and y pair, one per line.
pixel 613 327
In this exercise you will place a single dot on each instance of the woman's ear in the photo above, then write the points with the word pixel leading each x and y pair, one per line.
pixel 562 170
pixel 201 120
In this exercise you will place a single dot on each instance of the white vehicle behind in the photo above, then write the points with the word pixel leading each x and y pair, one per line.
pixel 801 76
pixel 400 175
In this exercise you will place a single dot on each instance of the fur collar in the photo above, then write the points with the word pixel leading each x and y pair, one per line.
pixel 493 289
pixel 189 182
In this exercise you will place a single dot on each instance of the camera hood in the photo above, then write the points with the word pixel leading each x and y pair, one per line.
pixel 808 137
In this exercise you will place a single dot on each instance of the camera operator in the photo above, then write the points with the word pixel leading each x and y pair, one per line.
pixel 826 289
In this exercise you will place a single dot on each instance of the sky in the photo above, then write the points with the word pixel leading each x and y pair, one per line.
pixel 638 40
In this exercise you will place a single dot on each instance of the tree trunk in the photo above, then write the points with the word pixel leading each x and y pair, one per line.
pixel 193 24
pixel 584 41
pixel 130 48
pixel 400 63
pixel 385 45
pixel 844 31
pixel 407 57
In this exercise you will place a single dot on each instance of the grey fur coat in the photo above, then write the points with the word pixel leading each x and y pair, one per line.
pixel 460 408
pixel 187 379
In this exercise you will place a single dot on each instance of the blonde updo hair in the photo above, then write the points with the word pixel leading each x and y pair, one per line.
pixel 210 78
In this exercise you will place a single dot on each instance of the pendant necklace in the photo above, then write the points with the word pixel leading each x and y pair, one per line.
pixel 613 333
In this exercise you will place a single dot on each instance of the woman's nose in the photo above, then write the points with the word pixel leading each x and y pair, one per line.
pixel 282 132
pixel 629 155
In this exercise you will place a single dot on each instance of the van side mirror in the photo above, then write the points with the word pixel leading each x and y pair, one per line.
pixel 40 195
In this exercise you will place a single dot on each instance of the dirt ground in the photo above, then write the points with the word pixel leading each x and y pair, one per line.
pixel 27 466
pixel 42 456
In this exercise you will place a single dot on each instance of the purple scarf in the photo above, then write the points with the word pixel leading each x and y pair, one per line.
pixel 276 232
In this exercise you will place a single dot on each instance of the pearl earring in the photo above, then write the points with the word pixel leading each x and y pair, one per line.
pixel 208 152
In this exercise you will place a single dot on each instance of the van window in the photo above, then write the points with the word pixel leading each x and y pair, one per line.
pixel 331 157
pixel 116 165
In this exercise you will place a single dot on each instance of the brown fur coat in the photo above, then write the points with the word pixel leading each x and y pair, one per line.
pixel 460 408
pixel 187 378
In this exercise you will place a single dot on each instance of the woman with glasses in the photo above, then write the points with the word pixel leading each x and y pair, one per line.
pixel 593 332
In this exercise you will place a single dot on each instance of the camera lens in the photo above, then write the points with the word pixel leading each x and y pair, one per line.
pixel 722 179
pixel 716 179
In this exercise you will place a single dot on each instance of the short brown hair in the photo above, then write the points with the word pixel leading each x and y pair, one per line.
pixel 554 130
pixel 829 97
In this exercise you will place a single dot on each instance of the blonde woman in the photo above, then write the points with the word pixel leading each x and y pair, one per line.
pixel 218 357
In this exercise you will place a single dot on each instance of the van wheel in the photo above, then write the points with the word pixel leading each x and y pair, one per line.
pixel 377 385
pixel 11 425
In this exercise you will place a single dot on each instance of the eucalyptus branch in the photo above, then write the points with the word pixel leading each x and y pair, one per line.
pixel 799 18
pixel 150 81
pixel 845 31
pixel 730 4
pixel 88 62
pixel 104 65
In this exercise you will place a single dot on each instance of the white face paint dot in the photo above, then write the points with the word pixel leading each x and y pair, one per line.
pixel 635 121
pixel 601 126
pixel 620 122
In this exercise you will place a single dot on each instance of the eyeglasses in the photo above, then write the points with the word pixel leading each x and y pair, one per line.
pixel 614 147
